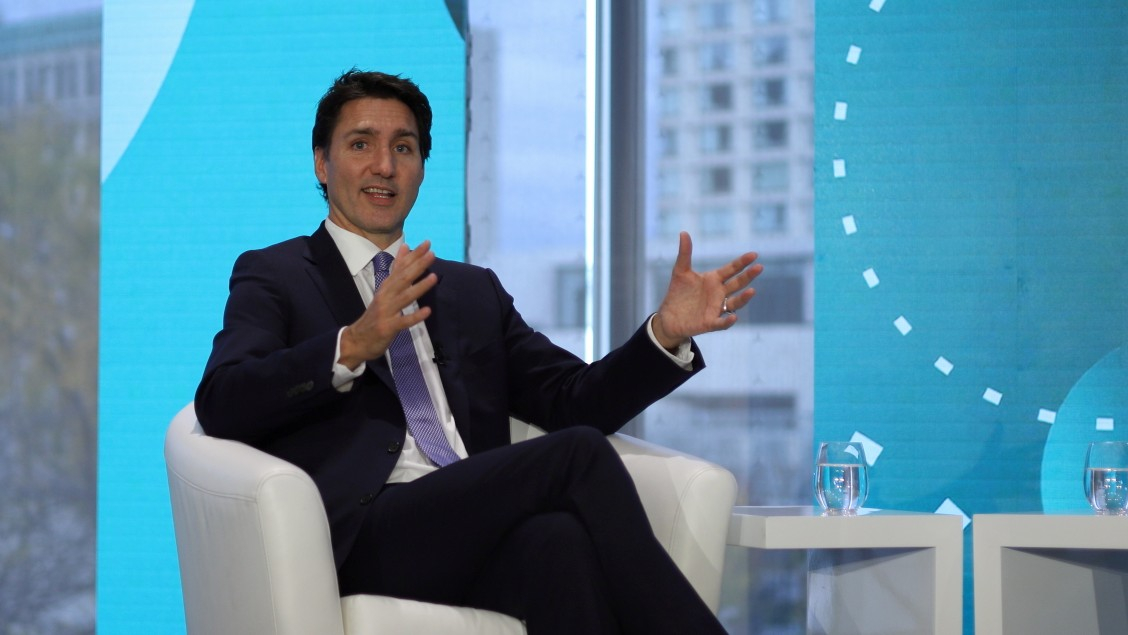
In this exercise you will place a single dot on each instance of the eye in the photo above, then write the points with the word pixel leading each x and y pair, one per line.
pixel 359 145
pixel 403 148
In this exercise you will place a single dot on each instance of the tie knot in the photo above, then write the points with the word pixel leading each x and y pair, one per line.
pixel 383 261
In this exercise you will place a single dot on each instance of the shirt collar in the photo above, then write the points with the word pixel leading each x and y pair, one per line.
pixel 357 250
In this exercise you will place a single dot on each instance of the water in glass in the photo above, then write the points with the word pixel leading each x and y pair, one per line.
pixel 841 477
pixel 1107 490
pixel 1106 477
pixel 841 487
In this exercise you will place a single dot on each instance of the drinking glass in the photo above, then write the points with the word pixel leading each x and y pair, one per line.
pixel 1106 477
pixel 841 478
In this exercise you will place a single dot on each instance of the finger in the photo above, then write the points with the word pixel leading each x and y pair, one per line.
pixel 725 321
pixel 740 300
pixel 739 265
pixel 393 298
pixel 743 279
pixel 410 264
pixel 684 260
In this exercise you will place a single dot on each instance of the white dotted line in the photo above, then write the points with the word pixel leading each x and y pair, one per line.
pixel 850 227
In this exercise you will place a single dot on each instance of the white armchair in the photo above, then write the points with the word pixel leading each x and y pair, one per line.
pixel 255 555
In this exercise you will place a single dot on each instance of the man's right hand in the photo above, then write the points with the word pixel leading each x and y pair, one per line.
pixel 371 335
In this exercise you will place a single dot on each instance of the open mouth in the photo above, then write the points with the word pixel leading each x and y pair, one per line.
pixel 379 192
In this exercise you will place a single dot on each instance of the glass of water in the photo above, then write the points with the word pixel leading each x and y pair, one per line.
pixel 1106 477
pixel 841 478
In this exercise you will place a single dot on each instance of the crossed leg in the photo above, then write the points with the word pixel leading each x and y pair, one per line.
pixel 549 530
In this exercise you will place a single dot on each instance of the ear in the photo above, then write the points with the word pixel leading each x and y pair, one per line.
pixel 319 167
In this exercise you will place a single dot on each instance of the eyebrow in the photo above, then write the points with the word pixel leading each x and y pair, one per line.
pixel 371 132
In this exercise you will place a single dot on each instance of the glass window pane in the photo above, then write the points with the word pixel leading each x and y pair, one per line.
pixel 769 91
pixel 714 56
pixel 526 143
pixel 751 409
pixel 716 139
pixel 716 97
pixel 770 134
pixel 769 50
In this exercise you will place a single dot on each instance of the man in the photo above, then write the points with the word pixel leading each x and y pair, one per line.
pixel 392 386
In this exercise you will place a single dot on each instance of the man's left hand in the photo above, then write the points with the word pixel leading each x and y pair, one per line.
pixel 697 303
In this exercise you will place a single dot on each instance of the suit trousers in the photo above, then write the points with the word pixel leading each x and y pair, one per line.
pixel 550 531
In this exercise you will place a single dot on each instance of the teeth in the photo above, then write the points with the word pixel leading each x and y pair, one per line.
pixel 376 190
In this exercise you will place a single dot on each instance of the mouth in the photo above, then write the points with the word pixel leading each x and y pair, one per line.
pixel 379 192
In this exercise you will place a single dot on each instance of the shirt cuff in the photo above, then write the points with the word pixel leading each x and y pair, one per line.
pixel 683 356
pixel 343 376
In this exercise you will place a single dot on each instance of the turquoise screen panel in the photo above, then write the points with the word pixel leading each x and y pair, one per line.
pixel 207 112
pixel 972 247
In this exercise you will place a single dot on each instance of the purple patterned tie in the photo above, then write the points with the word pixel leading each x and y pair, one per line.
pixel 417 405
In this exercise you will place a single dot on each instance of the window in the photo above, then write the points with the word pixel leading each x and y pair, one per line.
pixel 714 56
pixel 783 282
pixel 571 296
pixel 668 142
pixel 670 19
pixel 715 220
pixel 770 177
pixel 717 180
pixel 35 83
pixel 669 102
pixel 769 11
pixel 716 139
pixel 93 74
pixel 770 134
pixel 769 218
pixel 716 97
pixel 769 92
pixel 669 221
pixel 669 184
pixel 669 57
pixel 714 15
pixel 744 93
pixel 769 51
pixel 66 80
pixel 7 87
pixel 523 49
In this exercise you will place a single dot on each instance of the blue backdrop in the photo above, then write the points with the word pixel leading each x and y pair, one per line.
pixel 971 246
pixel 207 110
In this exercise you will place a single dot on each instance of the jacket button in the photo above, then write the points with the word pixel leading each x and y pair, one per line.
pixel 394 447
pixel 367 498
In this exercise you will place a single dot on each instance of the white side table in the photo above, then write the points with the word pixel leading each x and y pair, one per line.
pixel 1050 573
pixel 880 572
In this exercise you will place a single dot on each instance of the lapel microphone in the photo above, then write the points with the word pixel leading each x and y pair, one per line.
pixel 439 358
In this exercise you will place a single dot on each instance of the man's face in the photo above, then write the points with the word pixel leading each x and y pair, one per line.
pixel 372 168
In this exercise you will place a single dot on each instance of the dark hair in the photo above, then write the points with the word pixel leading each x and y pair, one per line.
pixel 355 84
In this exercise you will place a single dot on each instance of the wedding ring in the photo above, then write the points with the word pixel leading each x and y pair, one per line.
pixel 724 307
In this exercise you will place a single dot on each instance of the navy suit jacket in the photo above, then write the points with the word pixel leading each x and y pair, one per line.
pixel 268 380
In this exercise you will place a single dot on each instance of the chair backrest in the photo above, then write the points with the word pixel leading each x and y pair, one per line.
pixel 252 538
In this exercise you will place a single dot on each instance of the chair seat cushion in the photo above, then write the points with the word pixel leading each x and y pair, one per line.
pixel 381 615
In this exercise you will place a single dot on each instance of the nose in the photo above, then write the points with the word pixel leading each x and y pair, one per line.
pixel 383 163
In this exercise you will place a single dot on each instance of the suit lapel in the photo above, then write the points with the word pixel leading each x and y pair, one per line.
pixel 442 327
pixel 334 281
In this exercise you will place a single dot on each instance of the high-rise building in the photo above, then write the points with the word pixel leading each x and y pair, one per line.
pixel 54 63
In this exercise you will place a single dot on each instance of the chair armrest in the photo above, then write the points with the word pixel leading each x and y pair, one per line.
pixel 688 500
pixel 263 519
